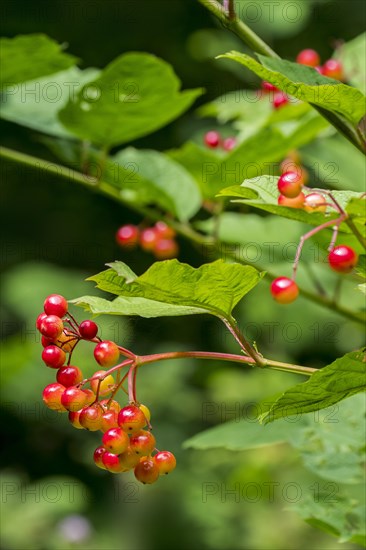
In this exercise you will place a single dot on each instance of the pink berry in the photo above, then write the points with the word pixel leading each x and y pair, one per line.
pixel 308 57
pixel 268 87
pixel 165 249
pixel 290 184
pixel 343 259
pixel 55 305
pixel 212 139
pixel 284 290
pixel 229 143
pixel 333 69
pixel 280 99
pixel 127 236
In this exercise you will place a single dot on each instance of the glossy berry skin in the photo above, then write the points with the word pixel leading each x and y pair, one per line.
pixel 314 202
pixel 46 341
pixel 284 290
pixel 112 463
pixel 73 398
pixel 39 320
pixel 146 411
pixel 212 139
pixel 106 353
pixel 229 144
pixel 88 330
pixel 297 202
pixel 290 184
pixel 131 419
pixel 165 462
pixel 148 239
pixel 127 236
pixel 55 305
pixel 165 249
pixel 69 376
pixel 146 470
pixel 90 397
pixel 129 459
pixel 308 57
pixel 91 418
pixel 105 386
pixel 333 69
pixel 109 420
pixel 342 259
pixel 164 231
pixel 113 405
pixel 115 440
pixel 97 457
pixel 53 357
pixel 52 397
pixel 74 419
pixel 142 442
pixel 268 87
pixel 280 99
pixel 51 326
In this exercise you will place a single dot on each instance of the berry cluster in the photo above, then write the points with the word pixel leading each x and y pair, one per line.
pixel 213 140
pixel 331 68
pixel 127 442
pixel 159 239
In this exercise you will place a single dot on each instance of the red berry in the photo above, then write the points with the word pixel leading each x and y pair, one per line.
pixel 165 249
pixel 333 69
pixel 46 341
pixel 284 290
pixel 148 238
pixel 88 330
pixel 142 442
pixel 55 305
pixel 164 231
pixel 127 236
pixel 129 459
pixel 229 143
pixel 314 202
pixel 308 57
pixel 91 418
pixel 51 326
pixel 212 139
pixel 146 470
pixel 73 398
pixel 268 87
pixel 290 184
pixel 53 356
pixel 106 384
pixel 52 397
pixel 131 419
pixel 106 353
pixel 74 419
pixel 115 440
pixel 69 376
pixel 39 320
pixel 98 456
pixel 165 462
pixel 112 463
pixel 343 259
pixel 297 202
pixel 109 420
pixel 279 100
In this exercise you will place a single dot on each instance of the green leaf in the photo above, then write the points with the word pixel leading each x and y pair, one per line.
pixel 31 56
pixel 134 95
pixel 344 377
pixel 337 515
pixel 141 307
pixel 352 55
pixel 39 110
pixel 267 192
pixel 306 84
pixel 216 287
pixel 148 176
pixel 361 266
pixel 241 435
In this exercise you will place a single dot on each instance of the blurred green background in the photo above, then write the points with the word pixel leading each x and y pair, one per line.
pixel 55 234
